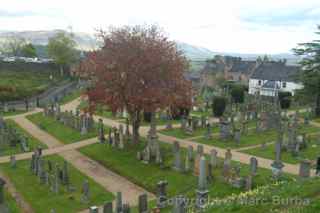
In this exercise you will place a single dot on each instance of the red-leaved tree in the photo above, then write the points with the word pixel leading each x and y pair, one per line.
pixel 138 70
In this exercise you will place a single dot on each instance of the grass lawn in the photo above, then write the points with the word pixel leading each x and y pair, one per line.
pixel 179 133
pixel 40 196
pixel 11 203
pixel 124 163
pixel 252 138
pixel 32 142
pixel 311 152
pixel 61 132
pixel 290 196
pixel 70 97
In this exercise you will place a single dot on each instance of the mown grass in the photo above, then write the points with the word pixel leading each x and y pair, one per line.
pixel 32 142
pixel 63 133
pixel 42 199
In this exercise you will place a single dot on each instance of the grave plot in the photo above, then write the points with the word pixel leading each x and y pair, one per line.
pixel 309 149
pixel 48 183
pixel 171 170
pixel 68 127
pixel 15 140
pixel 191 127
pixel 265 131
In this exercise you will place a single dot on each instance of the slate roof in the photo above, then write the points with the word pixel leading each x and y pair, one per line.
pixel 244 67
pixel 276 71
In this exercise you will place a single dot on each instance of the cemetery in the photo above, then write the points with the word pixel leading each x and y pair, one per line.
pixel 15 140
pixel 68 127
pixel 49 183
pixel 142 134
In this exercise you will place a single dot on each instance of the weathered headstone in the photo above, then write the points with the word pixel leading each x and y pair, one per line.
pixel 202 191
pixel 305 169
pixel 253 166
pixel 143 203
pixel 162 194
pixel 108 207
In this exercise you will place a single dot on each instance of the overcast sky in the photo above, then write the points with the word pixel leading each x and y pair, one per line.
pixel 243 26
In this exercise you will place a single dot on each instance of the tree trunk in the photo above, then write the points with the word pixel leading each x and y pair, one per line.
pixel 135 118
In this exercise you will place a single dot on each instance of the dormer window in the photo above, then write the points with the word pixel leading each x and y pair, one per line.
pixel 259 82
pixel 284 84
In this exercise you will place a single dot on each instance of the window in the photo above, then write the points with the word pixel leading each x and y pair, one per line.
pixel 259 82
pixel 284 84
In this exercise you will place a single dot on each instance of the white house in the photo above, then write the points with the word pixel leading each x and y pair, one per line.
pixel 271 77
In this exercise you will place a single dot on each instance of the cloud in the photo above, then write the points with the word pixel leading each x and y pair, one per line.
pixel 248 26
pixel 6 13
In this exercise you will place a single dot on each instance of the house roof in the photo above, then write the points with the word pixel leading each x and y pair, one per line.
pixel 243 66
pixel 275 71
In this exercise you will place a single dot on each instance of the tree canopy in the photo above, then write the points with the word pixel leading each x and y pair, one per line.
pixel 310 65
pixel 61 48
pixel 139 70
pixel 28 50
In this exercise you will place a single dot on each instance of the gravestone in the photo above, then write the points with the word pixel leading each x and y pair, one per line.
pixel 249 182
pixel 101 131
pixel 305 169
pixel 318 167
pixel 85 192
pixel 190 152
pixel 213 158
pixel 225 130
pixel 93 209
pixel 162 194
pixel 143 203
pixel 277 164
pixel 119 206
pixel 253 166
pixel 108 207
pixel 177 157
pixel 236 137
pixel 208 134
pixel 202 191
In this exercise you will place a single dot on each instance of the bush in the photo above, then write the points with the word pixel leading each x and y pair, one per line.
pixel 219 105
pixel 285 99
pixel 237 93
pixel 147 116
pixel 177 113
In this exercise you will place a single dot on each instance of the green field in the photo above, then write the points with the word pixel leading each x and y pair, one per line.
pixel 60 131
pixel 32 142
pixel 179 133
pixel 11 113
pixel 19 85
pixel 70 97
pixel 42 199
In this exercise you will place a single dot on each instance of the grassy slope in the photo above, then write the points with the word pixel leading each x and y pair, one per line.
pixel 43 200
pixel 11 203
pixel 61 132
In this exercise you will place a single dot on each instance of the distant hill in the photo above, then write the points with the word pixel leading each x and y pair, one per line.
pixel 198 55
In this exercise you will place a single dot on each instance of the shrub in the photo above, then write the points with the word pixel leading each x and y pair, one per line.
pixel 237 93
pixel 219 105
pixel 285 99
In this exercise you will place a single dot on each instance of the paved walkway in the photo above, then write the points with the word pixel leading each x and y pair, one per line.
pixel 236 156
pixel 111 181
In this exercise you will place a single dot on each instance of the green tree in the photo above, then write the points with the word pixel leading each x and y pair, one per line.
pixel 219 105
pixel 237 93
pixel 28 50
pixel 61 48
pixel 310 65
pixel 12 46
